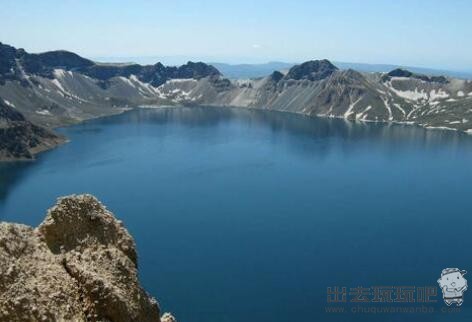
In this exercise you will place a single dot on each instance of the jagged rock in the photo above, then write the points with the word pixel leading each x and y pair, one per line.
pixel 312 70
pixel 34 286
pixel 276 76
pixel 80 264
pixel 58 88
pixel 44 64
pixel 155 75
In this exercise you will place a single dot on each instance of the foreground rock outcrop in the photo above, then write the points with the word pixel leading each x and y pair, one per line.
pixel 80 264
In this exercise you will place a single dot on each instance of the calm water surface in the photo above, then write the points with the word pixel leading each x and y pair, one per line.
pixel 246 215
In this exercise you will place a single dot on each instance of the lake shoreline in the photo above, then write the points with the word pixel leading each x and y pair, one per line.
pixel 127 109
pixel 211 189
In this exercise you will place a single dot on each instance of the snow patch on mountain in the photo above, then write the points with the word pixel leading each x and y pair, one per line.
pixel 9 103
pixel 59 73
pixel 440 94
pixel 398 78
pixel 363 115
pixel 409 94
pixel 181 80
pixel 126 80
pixel 64 93
pixel 351 107
pixel 58 85
pixel 389 109
pixel 43 112
pixel 400 108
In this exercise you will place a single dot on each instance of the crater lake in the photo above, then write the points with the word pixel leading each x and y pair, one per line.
pixel 251 215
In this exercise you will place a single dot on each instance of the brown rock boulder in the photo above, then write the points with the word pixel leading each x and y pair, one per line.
pixel 80 264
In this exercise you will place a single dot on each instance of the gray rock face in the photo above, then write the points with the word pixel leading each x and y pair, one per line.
pixel 311 70
pixel 317 89
pixel 21 139
pixel 80 264
pixel 57 88
pixel 14 63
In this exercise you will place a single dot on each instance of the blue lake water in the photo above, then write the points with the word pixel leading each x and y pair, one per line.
pixel 243 215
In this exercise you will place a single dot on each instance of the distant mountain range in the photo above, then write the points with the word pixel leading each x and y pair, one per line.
pixel 42 91
pixel 244 71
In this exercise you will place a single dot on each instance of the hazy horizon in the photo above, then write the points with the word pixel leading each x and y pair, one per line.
pixel 418 33
pixel 180 60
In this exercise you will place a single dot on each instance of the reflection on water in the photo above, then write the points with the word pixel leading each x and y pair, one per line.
pixel 391 135
pixel 316 128
pixel 323 134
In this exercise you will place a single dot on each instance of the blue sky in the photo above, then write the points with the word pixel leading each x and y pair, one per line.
pixel 427 33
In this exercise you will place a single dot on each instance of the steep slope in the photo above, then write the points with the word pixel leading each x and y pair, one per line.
pixel 318 88
pixel 21 139
pixel 60 87
pixel 80 264
pixel 47 90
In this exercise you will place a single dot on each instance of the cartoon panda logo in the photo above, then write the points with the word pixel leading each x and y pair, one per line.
pixel 453 285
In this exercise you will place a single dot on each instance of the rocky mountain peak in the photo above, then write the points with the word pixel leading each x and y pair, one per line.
pixel 276 76
pixel 43 64
pixel 312 70
pixel 8 55
pixel 61 59
pixel 197 70
pixel 347 77
pixel 400 72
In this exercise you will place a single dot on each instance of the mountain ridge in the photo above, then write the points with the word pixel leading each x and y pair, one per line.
pixel 59 88
pixel 21 139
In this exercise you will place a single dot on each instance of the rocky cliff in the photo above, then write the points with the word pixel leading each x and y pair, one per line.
pixel 318 88
pixel 21 139
pixel 59 87
pixel 79 264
